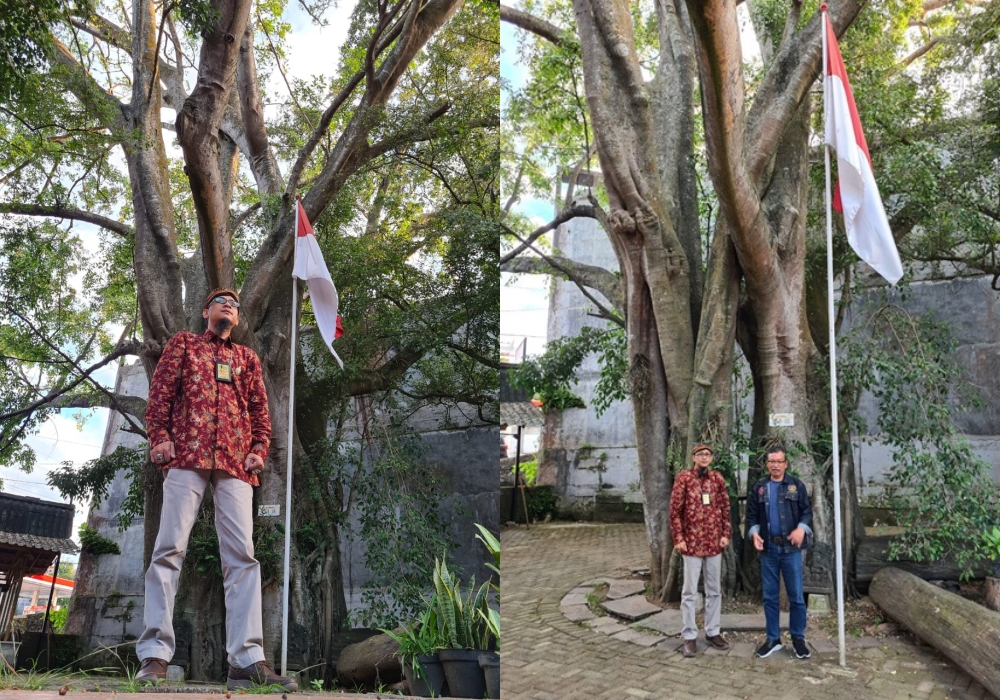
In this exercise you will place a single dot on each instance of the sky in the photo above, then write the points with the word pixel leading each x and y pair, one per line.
pixel 524 299
pixel 311 51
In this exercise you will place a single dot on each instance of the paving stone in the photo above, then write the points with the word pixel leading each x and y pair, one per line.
pixel 605 625
pixel 583 589
pixel 623 588
pixel 750 623
pixel 818 604
pixel 577 613
pixel 824 646
pixel 633 608
pixel 573 599
pixel 743 650
pixel 668 622
pixel 549 657
pixel 629 635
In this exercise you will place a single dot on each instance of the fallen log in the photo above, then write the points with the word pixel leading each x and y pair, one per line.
pixel 872 554
pixel 965 632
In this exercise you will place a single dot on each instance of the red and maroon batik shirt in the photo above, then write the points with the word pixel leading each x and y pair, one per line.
pixel 213 424
pixel 699 512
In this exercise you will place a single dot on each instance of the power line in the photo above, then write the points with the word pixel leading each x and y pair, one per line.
pixel 68 442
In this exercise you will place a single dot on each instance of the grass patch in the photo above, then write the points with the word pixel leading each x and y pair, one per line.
pixel 596 597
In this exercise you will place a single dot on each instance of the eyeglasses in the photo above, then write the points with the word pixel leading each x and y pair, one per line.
pixel 226 300
pixel 703 453
pixel 776 461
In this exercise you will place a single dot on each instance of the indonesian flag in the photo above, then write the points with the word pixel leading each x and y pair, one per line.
pixel 310 266
pixel 864 217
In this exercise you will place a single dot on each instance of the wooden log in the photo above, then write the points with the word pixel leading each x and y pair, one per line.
pixel 965 632
pixel 872 554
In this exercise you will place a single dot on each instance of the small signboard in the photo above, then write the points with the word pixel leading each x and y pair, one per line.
pixel 781 420
pixel 268 510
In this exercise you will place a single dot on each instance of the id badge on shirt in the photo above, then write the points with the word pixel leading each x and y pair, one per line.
pixel 223 372
pixel 706 499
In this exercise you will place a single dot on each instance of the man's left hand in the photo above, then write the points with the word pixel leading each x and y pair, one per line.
pixel 254 464
pixel 724 542
pixel 796 536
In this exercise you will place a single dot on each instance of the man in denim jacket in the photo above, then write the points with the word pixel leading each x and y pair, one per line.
pixel 779 519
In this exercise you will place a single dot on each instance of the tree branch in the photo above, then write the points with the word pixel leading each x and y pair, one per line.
pixel 60 212
pixel 562 217
pixel 238 221
pixel 131 348
pixel 132 405
pixel 555 263
pixel 481 359
pixel 533 24
pixel 261 157
pixel 85 374
pixel 597 278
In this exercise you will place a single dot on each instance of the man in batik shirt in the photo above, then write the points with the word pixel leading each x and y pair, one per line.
pixel 701 529
pixel 207 422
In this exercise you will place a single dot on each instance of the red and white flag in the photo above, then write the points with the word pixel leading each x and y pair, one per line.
pixel 310 266
pixel 864 216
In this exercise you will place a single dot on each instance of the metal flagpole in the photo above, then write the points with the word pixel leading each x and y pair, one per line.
pixel 834 415
pixel 288 467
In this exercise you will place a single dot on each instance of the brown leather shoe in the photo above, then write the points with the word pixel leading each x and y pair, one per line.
pixel 690 648
pixel 719 642
pixel 258 674
pixel 152 670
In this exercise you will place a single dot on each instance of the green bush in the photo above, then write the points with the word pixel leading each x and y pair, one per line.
pixel 94 543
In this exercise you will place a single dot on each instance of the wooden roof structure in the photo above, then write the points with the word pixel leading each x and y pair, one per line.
pixel 33 532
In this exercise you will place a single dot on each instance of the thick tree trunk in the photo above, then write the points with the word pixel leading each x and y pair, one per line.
pixel 965 632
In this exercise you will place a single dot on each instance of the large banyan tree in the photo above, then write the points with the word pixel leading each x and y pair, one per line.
pixel 151 121
pixel 666 90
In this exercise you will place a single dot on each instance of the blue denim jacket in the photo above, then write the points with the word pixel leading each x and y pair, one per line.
pixel 794 511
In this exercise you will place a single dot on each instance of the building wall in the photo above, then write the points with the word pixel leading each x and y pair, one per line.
pixel 108 600
pixel 583 455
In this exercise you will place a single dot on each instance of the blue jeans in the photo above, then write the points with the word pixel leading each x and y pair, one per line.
pixel 790 567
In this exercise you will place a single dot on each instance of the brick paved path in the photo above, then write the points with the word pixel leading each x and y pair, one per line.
pixel 547 657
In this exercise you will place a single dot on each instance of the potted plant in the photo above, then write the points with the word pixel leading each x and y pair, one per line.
pixel 490 661
pixel 465 633
pixel 418 645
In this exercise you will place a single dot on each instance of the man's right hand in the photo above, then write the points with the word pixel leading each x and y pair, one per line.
pixel 162 453
pixel 758 542
pixel 681 547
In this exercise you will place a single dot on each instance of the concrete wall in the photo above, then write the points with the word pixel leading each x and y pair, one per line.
pixel 108 599
pixel 463 458
pixel 971 310
pixel 583 455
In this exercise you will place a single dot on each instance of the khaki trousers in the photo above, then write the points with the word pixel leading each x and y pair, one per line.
pixel 183 490
pixel 713 594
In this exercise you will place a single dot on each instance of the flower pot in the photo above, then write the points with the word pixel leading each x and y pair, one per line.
pixel 490 663
pixel 9 652
pixel 462 670
pixel 429 684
